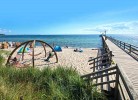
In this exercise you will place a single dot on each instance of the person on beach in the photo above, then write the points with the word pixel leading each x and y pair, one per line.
pixel 15 62
pixel 78 50
pixel 75 50
pixel 14 59
pixel 50 55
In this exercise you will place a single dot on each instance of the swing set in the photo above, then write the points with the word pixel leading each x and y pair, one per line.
pixel 32 54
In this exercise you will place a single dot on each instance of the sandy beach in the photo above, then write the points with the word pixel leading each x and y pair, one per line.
pixel 77 60
pixel 66 58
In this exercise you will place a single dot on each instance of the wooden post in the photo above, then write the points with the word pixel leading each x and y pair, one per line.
pixel 124 45
pixel 114 40
pixel 130 49
pixel 110 57
pixel 94 65
pixel 117 42
pixel 120 43
pixel 33 53
pixel 116 84
pixel 24 50
pixel 103 42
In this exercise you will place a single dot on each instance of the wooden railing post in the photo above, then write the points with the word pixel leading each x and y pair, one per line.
pixel 110 57
pixel 120 43
pixel 114 40
pixel 33 53
pixel 94 65
pixel 117 42
pixel 116 83
pixel 130 49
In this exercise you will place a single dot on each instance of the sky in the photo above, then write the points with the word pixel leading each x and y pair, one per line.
pixel 47 17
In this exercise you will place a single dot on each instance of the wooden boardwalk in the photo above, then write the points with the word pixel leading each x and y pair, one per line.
pixel 128 64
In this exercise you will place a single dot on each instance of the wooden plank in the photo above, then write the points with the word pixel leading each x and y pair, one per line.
pixel 99 60
pixel 99 76
pixel 102 64
pixel 103 75
pixel 33 53
pixel 116 84
pixel 106 69
pixel 122 92
pixel 99 57
pixel 128 66
pixel 102 83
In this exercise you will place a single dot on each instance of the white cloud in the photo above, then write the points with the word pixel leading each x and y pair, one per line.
pixel 116 28
pixel 4 31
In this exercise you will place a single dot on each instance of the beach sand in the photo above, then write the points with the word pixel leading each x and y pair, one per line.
pixel 66 58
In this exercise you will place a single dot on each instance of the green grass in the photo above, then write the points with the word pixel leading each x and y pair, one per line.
pixel 3 54
pixel 47 84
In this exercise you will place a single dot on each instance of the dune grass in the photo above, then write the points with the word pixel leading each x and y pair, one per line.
pixel 47 84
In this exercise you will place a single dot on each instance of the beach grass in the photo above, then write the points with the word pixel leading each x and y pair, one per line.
pixel 61 83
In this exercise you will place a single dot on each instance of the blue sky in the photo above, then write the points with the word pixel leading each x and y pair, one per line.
pixel 68 16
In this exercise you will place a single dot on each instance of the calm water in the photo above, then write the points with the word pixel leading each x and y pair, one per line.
pixel 84 41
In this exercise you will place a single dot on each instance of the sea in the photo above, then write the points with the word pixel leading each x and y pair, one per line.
pixel 83 41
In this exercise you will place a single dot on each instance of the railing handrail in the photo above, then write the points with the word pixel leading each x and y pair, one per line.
pixel 121 41
pixel 95 61
pixel 128 48
pixel 118 72
pixel 125 84
pixel 98 57
pixel 106 69
pixel 127 44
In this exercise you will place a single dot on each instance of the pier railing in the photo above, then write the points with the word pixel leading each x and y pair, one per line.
pixel 128 48
pixel 104 60
pixel 119 88
pixel 109 78
pixel 101 61
pixel 105 46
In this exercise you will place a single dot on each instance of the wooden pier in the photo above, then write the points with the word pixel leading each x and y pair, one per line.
pixel 127 63
pixel 119 69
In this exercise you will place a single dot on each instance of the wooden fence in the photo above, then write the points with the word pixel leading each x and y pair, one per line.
pixel 128 48
pixel 101 61
pixel 121 89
